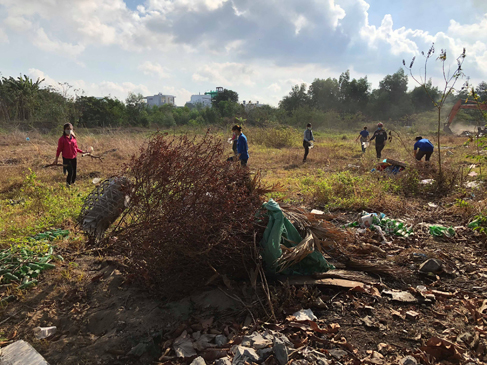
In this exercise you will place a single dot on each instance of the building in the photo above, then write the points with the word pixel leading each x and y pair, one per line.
pixel 249 106
pixel 159 100
pixel 204 100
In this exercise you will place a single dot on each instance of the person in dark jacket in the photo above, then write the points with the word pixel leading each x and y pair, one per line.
pixel 423 147
pixel 307 140
pixel 380 136
pixel 242 147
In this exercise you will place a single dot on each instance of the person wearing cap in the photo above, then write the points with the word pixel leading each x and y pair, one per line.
pixel 307 140
pixel 364 138
pixel 423 147
pixel 380 136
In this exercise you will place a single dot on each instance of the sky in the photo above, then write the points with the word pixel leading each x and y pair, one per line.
pixel 258 48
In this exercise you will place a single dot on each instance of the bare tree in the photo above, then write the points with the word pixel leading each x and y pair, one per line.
pixel 450 79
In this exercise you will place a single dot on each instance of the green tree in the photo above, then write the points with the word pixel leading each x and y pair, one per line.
pixel 421 97
pixel 297 98
pixel 324 94
pixel 225 95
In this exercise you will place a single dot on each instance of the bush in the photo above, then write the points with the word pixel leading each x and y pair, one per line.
pixel 279 137
pixel 190 214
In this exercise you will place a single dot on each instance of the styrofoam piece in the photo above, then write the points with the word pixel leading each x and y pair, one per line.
pixel 21 353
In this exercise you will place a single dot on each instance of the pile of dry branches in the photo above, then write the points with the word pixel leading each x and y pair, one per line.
pixel 191 214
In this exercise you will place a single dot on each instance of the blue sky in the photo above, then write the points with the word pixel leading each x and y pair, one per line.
pixel 258 48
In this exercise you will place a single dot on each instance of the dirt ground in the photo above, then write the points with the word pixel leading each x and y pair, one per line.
pixel 104 316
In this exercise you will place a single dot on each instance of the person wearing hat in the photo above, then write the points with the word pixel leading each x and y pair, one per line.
pixel 380 136
pixel 364 138
pixel 423 147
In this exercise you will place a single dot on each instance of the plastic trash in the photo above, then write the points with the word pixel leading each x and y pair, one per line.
pixel 229 140
pixel 44 332
pixel 365 144
pixel 387 225
pixel 440 231
pixel 311 145
pixel 366 220
pixel 27 139
pixel 305 315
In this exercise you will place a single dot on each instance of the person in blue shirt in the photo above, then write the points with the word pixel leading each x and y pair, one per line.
pixel 423 147
pixel 242 147
pixel 364 138
pixel 307 140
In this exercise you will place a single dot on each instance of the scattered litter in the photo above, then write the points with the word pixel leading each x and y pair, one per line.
pixel 44 332
pixel 317 212
pixel 390 226
pixel 473 184
pixel 96 180
pixel 21 353
pixel 391 166
pixel 432 205
pixel 472 174
pixel 305 315
pixel 440 231
pixel 400 296
pixel 281 232
pixel 353 166
pixel 427 181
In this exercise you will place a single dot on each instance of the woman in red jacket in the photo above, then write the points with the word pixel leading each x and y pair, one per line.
pixel 69 147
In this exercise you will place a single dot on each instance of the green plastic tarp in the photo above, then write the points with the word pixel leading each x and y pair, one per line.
pixel 279 231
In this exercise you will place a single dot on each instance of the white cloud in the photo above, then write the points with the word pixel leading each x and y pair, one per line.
pixel 397 39
pixel 274 87
pixel 18 23
pixel 299 23
pixel 42 41
pixel 117 90
pixel 3 36
pixel 35 74
pixel 228 74
pixel 153 68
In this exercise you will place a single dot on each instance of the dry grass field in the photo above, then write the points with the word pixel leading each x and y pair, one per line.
pixel 89 297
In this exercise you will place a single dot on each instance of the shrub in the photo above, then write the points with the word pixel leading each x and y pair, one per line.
pixel 278 137
pixel 191 214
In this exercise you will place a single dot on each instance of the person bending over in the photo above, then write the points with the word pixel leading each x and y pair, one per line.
pixel 423 147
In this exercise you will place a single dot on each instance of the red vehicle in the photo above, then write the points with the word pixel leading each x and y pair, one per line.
pixel 462 104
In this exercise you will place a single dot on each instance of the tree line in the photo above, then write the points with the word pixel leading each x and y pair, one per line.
pixel 327 102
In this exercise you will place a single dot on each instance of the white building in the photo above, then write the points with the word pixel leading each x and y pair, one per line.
pixel 159 100
pixel 204 100
pixel 249 106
